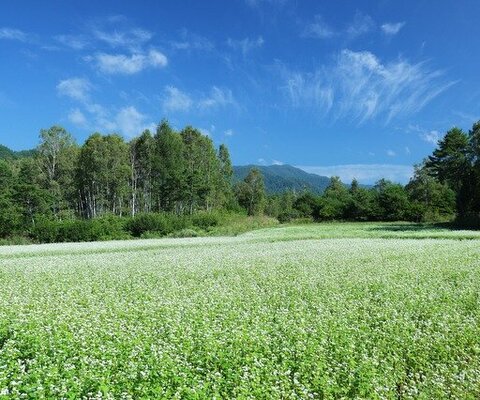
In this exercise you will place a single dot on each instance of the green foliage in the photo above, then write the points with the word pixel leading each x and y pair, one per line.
pixel 334 203
pixel 102 175
pixel 181 173
pixel 205 220
pixel 455 163
pixel 108 227
pixel 393 202
pixel 10 155
pixel 449 161
pixel 305 204
pixel 142 153
pixel 251 192
pixel 160 223
pixel 168 169
pixel 185 233
pixel 431 200
pixel 9 212
pixel 363 204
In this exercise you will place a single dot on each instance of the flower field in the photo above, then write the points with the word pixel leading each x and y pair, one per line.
pixel 321 311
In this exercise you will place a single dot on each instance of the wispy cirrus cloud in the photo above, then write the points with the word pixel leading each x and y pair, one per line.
pixel 132 39
pixel 360 87
pixel 192 41
pixel 361 24
pixel 318 29
pixel 364 173
pixel 245 45
pixel 176 100
pixel 13 34
pixel 392 28
pixel 75 42
pixel 217 98
pixel 129 64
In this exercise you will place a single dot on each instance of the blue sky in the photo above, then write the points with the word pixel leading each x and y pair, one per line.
pixel 350 88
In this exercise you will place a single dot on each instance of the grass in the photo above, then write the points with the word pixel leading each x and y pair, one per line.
pixel 375 311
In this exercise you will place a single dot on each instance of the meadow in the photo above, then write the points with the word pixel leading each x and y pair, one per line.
pixel 323 311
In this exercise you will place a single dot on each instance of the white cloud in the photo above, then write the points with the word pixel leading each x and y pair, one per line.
pixel 392 28
pixel 312 90
pixel 192 41
pixel 216 99
pixel 276 162
pixel 361 25
pixel 77 117
pixel 407 150
pixel 391 153
pixel 76 88
pixel 76 42
pixel 261 161
pixel 176 100
pixel 13 34
pixel 359 86
pixel 228 132
pixel 132 39
pixel 127 120
pixel 131 122
pixel 431 137
pixel 318 29
pixel 364 173
pixel 123 64
pixel 246 45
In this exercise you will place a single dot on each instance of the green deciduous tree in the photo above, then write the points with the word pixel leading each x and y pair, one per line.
pixel 57 154
pixel 168 169
pixel 103 175
pixel 393 202
pixel 142 150
pixel 431 199
pixel 250 192
pixel 334 202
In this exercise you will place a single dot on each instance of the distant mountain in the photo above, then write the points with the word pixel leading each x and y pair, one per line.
pixel 280 178
pixel 8 154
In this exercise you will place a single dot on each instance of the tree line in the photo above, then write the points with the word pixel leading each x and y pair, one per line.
pixel 170 180
pixel 181 173
pixel 445 187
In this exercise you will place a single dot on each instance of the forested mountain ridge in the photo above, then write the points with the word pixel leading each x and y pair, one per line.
pixel 9 154
pixel 280 178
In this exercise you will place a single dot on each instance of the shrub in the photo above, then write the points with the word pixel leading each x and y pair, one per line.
pixel 45 231
pixel 109 227
pixel 205 220
pixel 185 233
pixel 161 223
